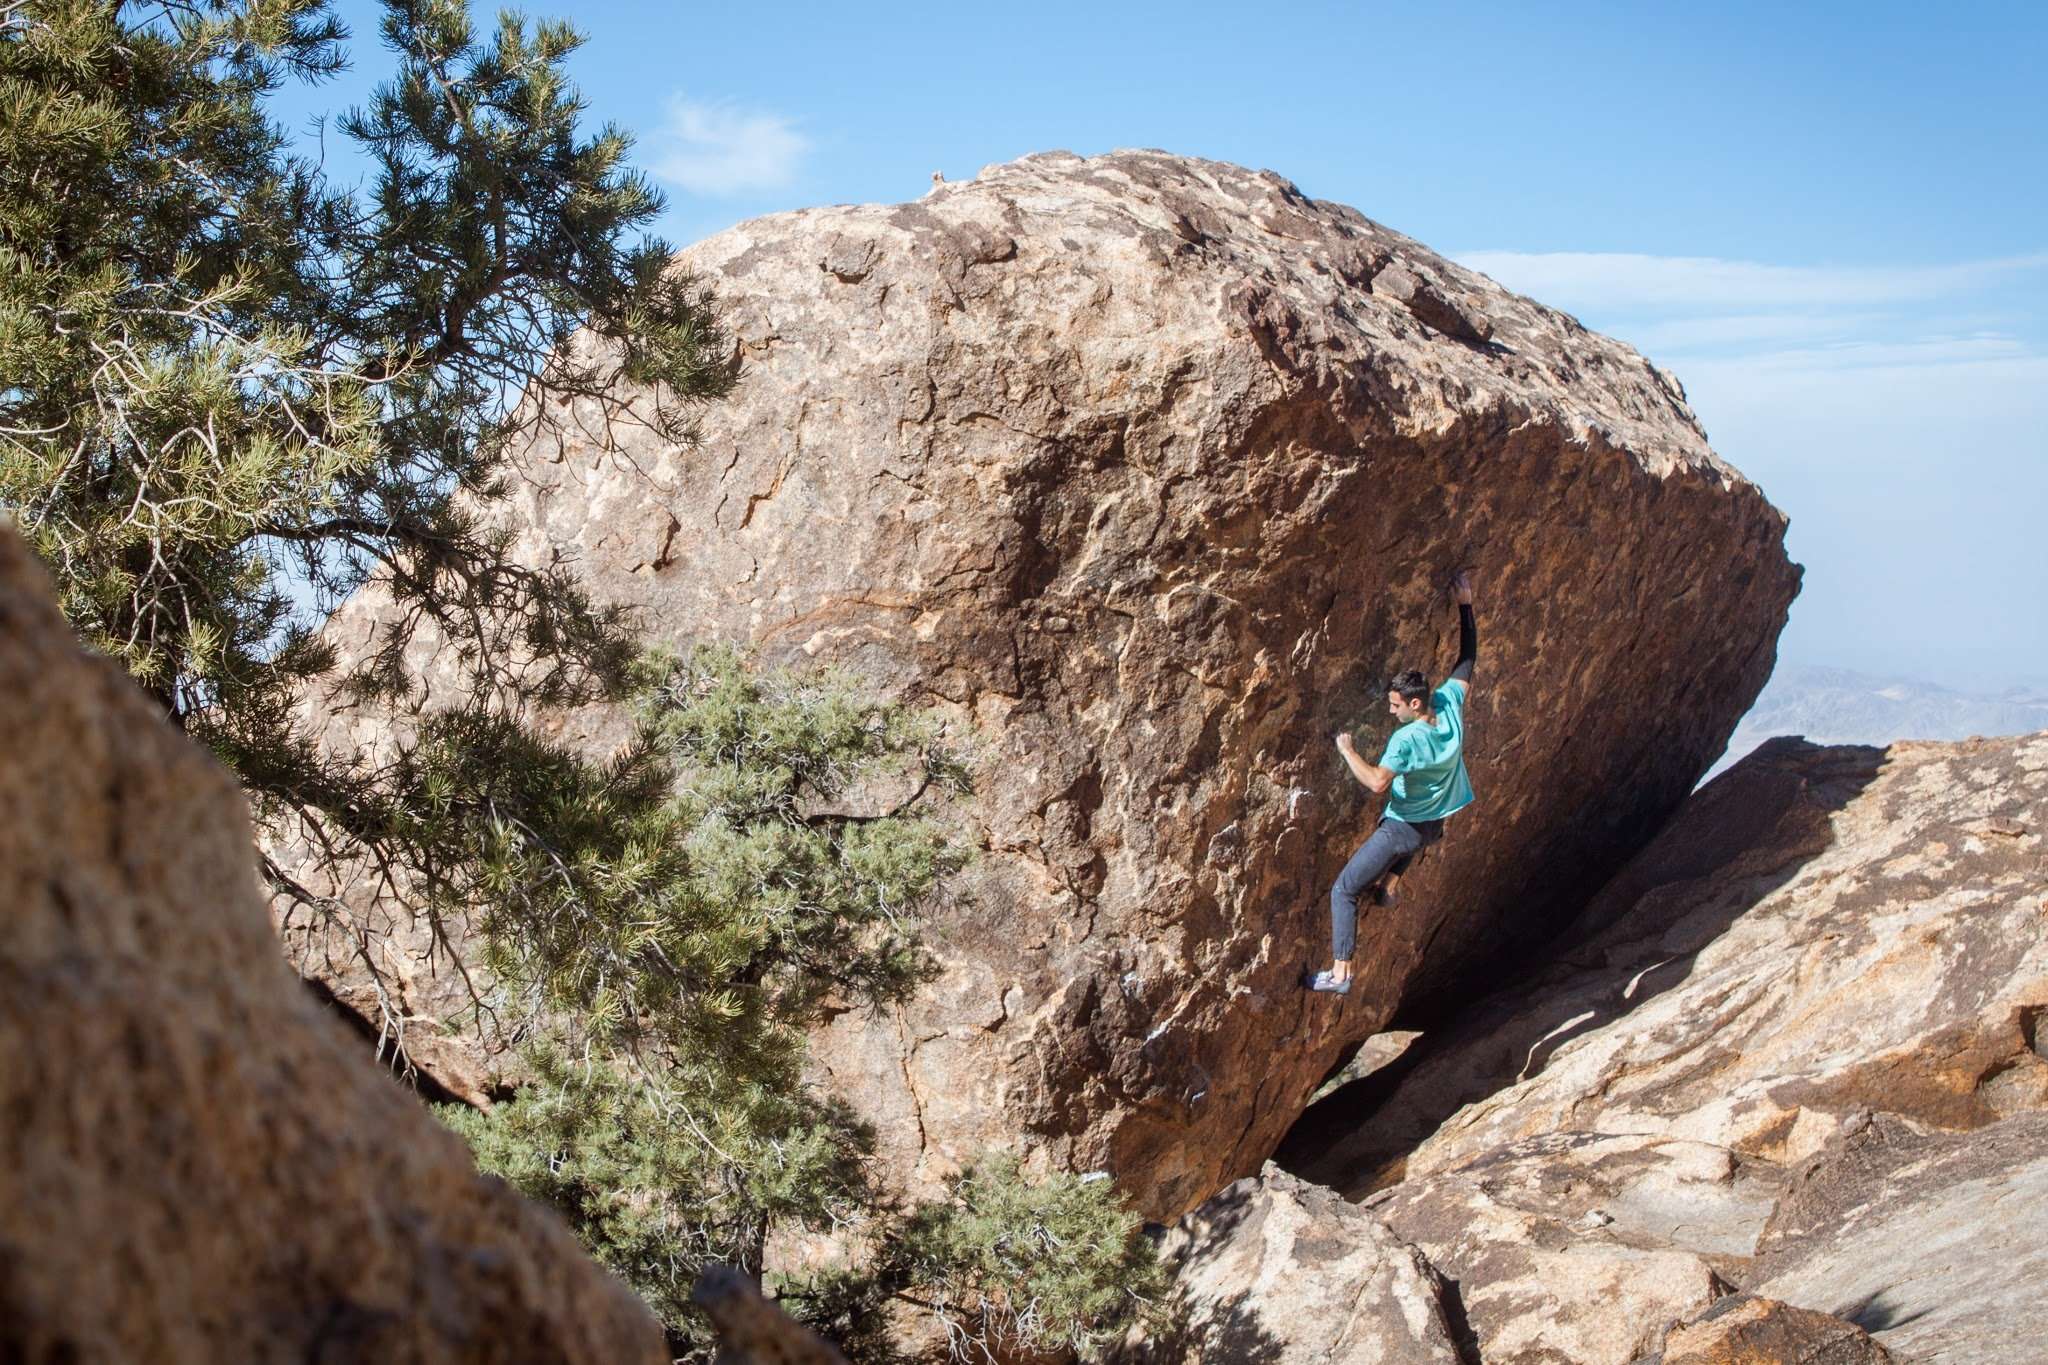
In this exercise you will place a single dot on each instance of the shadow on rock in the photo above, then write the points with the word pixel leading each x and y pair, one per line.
pixel 1880 1312
pixel 1227 1332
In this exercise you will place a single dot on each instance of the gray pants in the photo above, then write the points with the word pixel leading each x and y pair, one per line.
pixel 1393 845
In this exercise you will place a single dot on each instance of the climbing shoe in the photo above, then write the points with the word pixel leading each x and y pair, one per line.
pixel 1382 896
pixel 1323 981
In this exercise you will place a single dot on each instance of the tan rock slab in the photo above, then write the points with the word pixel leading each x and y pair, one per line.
pixel 1583 1247
pixel 1746 1330
pixel 1279 1271
pixel 1933 1241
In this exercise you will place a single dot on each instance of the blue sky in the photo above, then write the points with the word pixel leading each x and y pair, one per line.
pixel 1831 220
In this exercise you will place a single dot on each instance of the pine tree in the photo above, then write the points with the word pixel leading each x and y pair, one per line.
pixel 660 1179
pixel 706 898
pixel 731 881
pixel 1010 1266
pixel 235 392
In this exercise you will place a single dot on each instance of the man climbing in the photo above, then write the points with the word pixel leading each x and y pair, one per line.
pixel 1424 765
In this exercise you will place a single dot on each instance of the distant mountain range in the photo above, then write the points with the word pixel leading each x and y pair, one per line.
pixel 1836 706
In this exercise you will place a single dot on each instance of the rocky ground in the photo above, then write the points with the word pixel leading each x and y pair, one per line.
pixel 1793 1051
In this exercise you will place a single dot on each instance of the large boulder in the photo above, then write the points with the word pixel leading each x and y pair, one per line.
pixel 1148 471
pixel 196 1162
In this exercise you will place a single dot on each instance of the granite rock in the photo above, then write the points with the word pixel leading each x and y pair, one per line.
pixel 1743 1329
pixel 1279 1271
pixel 1930 1240
pixel 196 1162
pixel 1147 471
pixel 1583 1247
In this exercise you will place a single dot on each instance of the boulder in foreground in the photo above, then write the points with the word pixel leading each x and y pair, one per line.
pixel 197 1162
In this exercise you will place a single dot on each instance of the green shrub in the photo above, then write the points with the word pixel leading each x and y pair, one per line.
pixel 1010 1264
pixel 697 904
pixel 659 1183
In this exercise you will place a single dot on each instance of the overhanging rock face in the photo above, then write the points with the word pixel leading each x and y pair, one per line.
pixel 1150 470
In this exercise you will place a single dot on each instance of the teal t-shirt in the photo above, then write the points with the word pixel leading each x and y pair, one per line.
pixel 1430 760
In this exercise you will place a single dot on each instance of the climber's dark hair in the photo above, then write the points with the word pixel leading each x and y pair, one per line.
pixel 1410 684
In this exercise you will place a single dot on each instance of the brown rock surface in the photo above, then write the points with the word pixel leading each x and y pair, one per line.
pixel 1149 470
pixel 196 1164
pixel 1820 933
pixel 1279 1271
pixel 753 1331
pixel 1746 1330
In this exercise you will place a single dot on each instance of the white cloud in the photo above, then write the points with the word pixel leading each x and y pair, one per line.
pixel 1694 311
pixel 1744 329
pixel 721 149
pixel 1633 283
pixel 1918 354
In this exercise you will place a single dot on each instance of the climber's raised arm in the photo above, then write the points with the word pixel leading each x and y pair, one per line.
pixel 1468 632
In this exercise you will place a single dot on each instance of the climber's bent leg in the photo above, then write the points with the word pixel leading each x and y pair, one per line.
pixel 1386 891
pixel 1393 841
